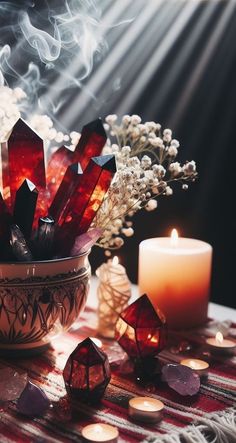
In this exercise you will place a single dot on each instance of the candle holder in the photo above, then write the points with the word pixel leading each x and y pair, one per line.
pixel 142 332
pixel 114 291
pixel 87 372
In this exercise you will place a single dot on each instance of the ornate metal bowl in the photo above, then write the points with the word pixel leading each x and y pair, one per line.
pixel 40 299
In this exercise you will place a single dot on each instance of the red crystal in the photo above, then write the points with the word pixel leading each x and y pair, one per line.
pixel 87 372
pixel 92 140
pixel 68 186
pixel 26 158
pixel 24 208
pixel 141 330
pixel 5 173
pixel 85 202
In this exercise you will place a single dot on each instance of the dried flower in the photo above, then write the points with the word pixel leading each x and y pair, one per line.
pixel 146 168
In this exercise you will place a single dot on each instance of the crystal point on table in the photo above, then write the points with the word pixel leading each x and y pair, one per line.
pixel 83 204
pixel 12 383
pixel 24 208
pixel 87 372
pixel 91 142
pixel 68 186
pixel 33 401
pixel 26 158
pixel 181 378
pixel 141 330
pixel 19 246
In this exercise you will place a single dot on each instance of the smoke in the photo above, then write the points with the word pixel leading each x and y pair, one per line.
pixel 51 51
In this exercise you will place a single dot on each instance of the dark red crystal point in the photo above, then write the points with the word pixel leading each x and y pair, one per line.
pixel 68 186
pixel 24 208
pixel 26 158
pixel 92 140
pixel 87 372
pixel 85 202
pixel 141 330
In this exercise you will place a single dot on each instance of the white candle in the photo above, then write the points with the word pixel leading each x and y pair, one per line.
pixel 221 344
pixel 100 432
pixel 146 409
pixel 199 366
pixel 175 273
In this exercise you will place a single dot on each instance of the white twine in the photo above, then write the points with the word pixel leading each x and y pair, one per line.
pixel 216 428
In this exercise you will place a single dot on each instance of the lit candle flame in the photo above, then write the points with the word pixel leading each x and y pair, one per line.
pixel 115 260
pixel 174 237
pixel 219 337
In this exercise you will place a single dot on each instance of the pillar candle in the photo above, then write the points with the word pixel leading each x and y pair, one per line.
pixel 175 273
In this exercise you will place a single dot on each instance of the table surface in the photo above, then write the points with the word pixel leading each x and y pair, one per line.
pixel 64 421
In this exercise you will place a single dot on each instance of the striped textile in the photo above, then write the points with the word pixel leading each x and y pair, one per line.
pixel 217 394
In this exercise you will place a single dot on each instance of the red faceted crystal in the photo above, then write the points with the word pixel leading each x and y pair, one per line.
pixel 26 158
pixel 5 222
pixel 5 173
pixel 92 140
pixel 67 188
pixel 141 330
pixel 85 202
pixel 87 372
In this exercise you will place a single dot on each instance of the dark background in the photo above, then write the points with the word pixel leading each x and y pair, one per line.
pixel 175 63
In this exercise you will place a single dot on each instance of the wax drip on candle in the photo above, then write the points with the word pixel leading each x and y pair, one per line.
pixel 114 291
pixel 174 238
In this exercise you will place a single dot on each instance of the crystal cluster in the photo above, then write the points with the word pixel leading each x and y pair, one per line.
pixel 46 213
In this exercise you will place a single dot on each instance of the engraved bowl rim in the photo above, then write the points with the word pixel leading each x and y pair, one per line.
pixel 55 260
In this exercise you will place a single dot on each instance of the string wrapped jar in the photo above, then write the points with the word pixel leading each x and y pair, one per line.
pixel 114 291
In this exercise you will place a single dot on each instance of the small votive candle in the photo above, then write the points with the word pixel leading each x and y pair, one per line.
pixel 199 366
pixel 100 432
pixel 146 409
pixel 221 344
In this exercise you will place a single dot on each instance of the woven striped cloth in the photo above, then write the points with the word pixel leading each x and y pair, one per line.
pixel 208 416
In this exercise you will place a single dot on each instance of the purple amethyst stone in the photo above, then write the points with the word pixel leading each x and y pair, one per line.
pixel 33 401
pixel 181 378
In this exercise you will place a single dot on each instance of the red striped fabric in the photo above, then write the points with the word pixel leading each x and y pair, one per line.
pixel 217 393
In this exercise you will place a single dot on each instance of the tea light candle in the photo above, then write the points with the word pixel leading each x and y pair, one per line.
pixel 198 366
pixel 175 273
pixel 221 344
pixel 146 409
pixel 100 432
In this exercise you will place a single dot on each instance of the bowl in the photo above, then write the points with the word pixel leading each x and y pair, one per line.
pixel 40 299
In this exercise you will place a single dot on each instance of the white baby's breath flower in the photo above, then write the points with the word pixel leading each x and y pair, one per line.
pixel 189 168
pixel 135 119
pixel 151 205
pixel 172 151
pixel 175 169
pixel 168 190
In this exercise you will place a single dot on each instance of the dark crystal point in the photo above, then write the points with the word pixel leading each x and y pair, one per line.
pixel 68 186
pixel 92 140
pixel 45 238
pixel 19 245
pixel 33 401
pixel 141 330
pixel 87 372
pixel 24 208
pixel 26 158
pixel 83 204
